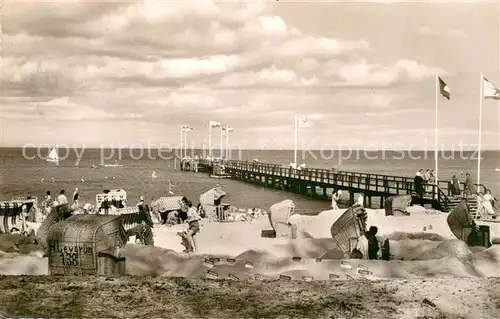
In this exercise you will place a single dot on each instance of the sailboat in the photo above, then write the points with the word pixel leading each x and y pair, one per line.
pixel 53 157
pixel 153 175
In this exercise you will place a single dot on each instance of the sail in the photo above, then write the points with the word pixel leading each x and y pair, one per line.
pixel 53 155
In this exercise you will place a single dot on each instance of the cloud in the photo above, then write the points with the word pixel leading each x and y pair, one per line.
pixel 252 65
pixel 366 74
pixel 274 128
pixel 442 33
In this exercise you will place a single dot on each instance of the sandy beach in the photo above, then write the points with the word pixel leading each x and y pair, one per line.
pixel 139 297
pixel 428 264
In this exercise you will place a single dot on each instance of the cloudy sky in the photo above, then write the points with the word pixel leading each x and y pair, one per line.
pixel 90 73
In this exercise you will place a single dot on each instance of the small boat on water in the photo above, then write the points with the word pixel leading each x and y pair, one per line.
pixel 497 169
pixel 153 175
pixel 53 157
pixel 113 165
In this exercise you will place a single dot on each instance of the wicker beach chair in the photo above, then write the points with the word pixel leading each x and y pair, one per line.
pixel 210 202
pixel 348 228
pixel 162 207
pixel 10 216
pixel 56 215
pixel 397 205
pixel 461 222
pixel 74 244
pixel 116 197
pixel 280 213
pixel 462 225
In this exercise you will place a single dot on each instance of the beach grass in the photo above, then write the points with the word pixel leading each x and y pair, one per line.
pixel 148 297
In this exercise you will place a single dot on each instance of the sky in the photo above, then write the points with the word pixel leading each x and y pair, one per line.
pixel 131 73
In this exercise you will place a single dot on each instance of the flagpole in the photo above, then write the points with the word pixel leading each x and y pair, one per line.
pixel 210 139
pixel 227 142
pixel 480 129
pixel 185 142
pixel 182 145
pixel 221 134
pixel 436 166
pixel 295 143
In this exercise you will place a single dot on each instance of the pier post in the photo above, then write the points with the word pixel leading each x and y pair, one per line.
pixel 324 192
pixel 351 198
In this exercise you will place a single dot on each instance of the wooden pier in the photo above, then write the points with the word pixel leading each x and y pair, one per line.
pixel 309 180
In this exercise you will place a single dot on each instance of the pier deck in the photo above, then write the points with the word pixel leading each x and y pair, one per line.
pixel 307 181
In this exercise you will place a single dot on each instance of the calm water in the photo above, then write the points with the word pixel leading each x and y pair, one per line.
pixel 20 176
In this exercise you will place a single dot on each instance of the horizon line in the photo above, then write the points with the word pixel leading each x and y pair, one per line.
pixel 270 149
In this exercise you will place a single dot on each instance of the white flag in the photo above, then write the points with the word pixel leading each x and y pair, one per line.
pixel 229 129
pixel 304 122
pixel 214 124
pixel 490 91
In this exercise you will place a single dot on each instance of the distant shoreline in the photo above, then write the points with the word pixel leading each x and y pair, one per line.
pixel 262 150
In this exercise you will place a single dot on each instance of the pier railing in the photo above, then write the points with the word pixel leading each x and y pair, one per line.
pixel 368 182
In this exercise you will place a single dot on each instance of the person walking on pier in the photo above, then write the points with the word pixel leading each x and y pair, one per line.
pixel 427 177
pixel 469 188
pixel 419 184
pixel 455 187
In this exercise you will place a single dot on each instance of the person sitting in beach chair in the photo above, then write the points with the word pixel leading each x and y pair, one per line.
pixel 143 231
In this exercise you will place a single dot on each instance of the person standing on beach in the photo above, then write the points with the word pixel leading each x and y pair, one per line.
pixel 373 243
pixel 62 199
pixel 75 206
pixel 194 226
pixel 335 199
pixel 48 203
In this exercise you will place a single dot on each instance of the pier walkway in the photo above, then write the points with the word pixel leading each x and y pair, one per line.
pixel 309 180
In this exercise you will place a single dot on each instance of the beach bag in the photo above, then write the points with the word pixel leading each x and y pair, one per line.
pixel 349 227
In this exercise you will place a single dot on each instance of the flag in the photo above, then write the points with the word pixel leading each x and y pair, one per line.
pixel 187 129
pixel 214 124
pixel 303 122
pixel 229 129
pixel 490 91
pixel 443 89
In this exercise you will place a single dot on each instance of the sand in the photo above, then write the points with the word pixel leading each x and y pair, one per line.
pixel 422 244
pixel 160 297
pixel 418 252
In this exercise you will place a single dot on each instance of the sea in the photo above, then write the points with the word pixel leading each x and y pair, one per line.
pixel 26 172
